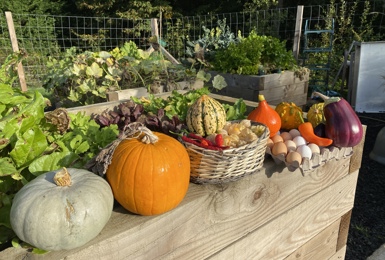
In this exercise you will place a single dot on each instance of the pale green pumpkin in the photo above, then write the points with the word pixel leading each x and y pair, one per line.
pixel 50 215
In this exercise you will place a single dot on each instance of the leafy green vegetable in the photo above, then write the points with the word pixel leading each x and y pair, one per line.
pixel 176 103
pixel 236 111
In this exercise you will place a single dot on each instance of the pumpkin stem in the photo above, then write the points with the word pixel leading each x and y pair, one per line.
pixel 62 177
pixel 149 136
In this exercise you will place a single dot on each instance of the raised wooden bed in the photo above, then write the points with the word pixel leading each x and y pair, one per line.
pixel 278 87
pixel 272 214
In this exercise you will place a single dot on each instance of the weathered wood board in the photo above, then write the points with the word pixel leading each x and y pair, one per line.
pixel 297 226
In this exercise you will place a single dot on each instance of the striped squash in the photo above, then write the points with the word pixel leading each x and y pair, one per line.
pixel 206 116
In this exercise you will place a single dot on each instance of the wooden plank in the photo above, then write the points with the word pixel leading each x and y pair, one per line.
pixel 262 82
pixel 281 237
pixel 340 255
pixel 232 100
pixel 344 230
pixel 211 217
pixel 15 48
pixel 299 100
pixel 285 92
pixel 322 246
pixel 297 31
pixel 280 79
pixel 127 94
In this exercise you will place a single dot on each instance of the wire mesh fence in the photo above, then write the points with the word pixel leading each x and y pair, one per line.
pixel 42 36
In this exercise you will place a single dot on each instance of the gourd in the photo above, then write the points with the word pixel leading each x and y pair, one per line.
pixel 290 115
pixel 266 115
pixel 315 115
pixel 61 209
pixel 149 173
pixel 205 116
pixel 342 124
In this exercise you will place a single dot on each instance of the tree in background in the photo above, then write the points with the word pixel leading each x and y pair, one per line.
pixel 32 6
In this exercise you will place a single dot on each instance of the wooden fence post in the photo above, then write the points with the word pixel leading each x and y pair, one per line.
pixel 298 31
pixel 155 32
pixel 15 48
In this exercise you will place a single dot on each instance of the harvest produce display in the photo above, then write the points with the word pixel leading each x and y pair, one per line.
pixel 148 150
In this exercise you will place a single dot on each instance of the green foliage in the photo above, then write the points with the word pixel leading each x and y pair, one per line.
pixel 32 6
pixel 236 111
pixel 30 144
pixel 259 5
pixel 85 78
pixel 175 36
pixel 353 21
pixel 254 55
pixel 175 104
pixel 8 70
pixel 212 40
pixel 35 34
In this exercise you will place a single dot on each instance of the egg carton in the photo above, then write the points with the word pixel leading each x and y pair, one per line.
pixel 308 165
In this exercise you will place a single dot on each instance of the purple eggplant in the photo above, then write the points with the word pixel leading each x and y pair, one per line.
pixel 319 130
pixel 342 123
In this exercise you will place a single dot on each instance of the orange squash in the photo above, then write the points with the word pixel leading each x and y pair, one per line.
pixel 265 114
pixel 290 114
pixel 149 178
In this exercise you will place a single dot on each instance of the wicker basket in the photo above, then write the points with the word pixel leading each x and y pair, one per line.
pixel 215 167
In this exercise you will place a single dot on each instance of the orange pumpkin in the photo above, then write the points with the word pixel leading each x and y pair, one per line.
pixel 265 114
pixel 149 178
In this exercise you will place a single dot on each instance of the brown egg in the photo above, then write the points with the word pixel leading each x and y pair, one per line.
pixel 286 136
pixel 270 143
pixel 277 138
pixel 279 148
pixel 293 157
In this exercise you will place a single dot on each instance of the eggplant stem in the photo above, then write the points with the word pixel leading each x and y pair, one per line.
pixel 317 94
pixel 327 100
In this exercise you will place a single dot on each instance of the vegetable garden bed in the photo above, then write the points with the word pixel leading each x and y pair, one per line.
pixel 271 214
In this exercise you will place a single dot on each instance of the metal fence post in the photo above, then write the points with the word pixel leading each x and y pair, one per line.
pixel 15 48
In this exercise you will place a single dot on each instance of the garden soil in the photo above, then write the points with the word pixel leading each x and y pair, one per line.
pixel 367 227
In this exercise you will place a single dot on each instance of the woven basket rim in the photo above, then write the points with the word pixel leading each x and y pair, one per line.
pixel 261 138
